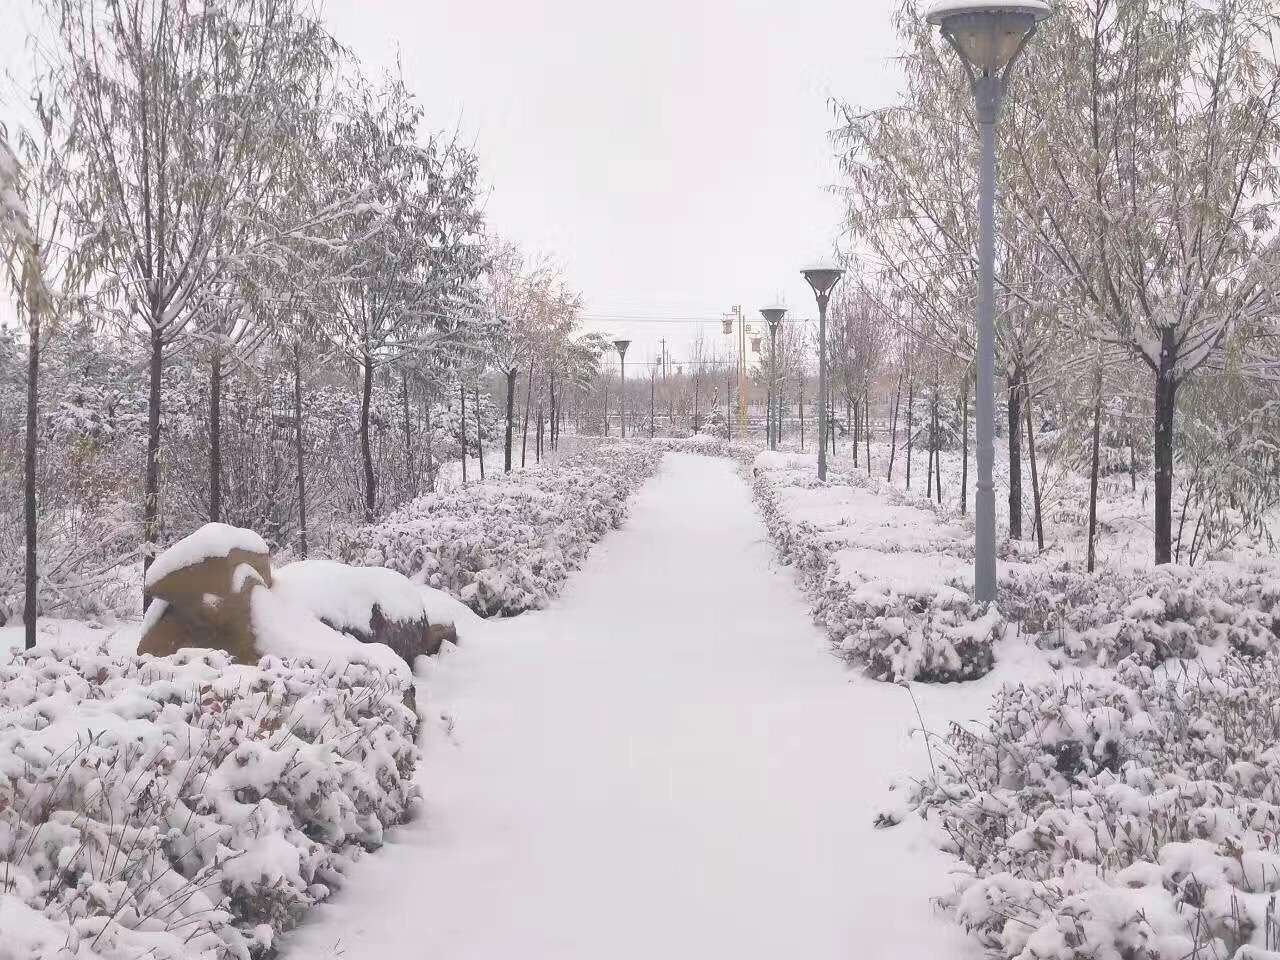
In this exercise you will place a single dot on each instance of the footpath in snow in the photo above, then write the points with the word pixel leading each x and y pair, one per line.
pixel 667 762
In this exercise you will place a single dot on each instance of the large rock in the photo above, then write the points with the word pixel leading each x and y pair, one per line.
pixel 216 589
pixel 201 591
pixel 371 604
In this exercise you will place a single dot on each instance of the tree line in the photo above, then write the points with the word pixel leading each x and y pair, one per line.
pixel 251 285
pixel 1137 249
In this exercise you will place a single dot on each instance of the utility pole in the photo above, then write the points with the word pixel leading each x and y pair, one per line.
pixel 742 372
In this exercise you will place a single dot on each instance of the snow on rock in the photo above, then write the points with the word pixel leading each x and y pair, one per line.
pixel 508 545
pixel 345 596
pixel 442 608
pixel 372 604
pixel 209 541
pixel 284 628
pixel 185 807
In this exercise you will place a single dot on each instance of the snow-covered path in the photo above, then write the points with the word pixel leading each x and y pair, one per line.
pixel 668 762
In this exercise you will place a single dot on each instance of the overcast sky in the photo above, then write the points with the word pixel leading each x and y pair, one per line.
pixel 672 155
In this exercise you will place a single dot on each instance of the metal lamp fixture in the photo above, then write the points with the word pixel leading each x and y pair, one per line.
pixel 988 36
pixel 621 347
pixel 773 317
pixel 822 278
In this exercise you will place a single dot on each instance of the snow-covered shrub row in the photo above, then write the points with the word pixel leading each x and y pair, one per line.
pixel 1149 616
pixel 709 445
pixel 885 571
pixel 185 807
pixel 1136 815
pixel 507 545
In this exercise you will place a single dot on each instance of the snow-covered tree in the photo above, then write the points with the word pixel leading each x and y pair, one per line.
pixel 183 113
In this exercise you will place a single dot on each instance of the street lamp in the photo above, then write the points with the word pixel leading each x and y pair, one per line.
pixel 988 36
pixel 773 316
pixel 822 278
pixel 621 347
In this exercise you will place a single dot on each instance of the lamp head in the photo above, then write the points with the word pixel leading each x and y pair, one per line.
pixel 773 316
pixel 822 277
pixel 988 33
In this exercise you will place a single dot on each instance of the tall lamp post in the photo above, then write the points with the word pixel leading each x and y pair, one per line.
pixel 822 277
pixel 773 316
pixel 988 36
pixel 621 347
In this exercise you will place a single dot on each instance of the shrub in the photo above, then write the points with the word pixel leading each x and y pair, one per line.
pixel 185 807
pixel 1149 616
pixel 895 603
pixel 509 544
pixel 1131 816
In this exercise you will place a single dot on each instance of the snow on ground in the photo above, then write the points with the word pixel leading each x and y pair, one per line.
pixel 668 761
pixel 122 637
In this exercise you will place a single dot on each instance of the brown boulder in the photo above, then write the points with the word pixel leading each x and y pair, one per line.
pixel 218 621
pixel 204 584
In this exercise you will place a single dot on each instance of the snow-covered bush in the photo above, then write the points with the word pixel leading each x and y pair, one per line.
pixel 1135 815
pixel 508 545
pixel 885 571
pixel 1150 615
pixel 184 807
pixel 708 444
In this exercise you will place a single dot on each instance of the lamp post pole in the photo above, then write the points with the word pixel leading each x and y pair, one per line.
pixel 621 347
pixel 988 95
pixel 822 279
pixel 773 316
pixel 988 35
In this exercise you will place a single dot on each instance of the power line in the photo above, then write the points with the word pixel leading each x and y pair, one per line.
pixel 588 318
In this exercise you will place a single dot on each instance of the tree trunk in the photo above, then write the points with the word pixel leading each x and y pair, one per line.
pixel 410 467
pixel 1015 454
pixel 215 437
pixel 366 451
pixel 697 389
pixel 801 395
pixel 911 401
pixel 298 448
pixel 653 388
pixel 511 412
pixel 551 418
pixel 964 447
pixel 937 455
pixel 537 445
pixel 462 426
pixel 853 424
pixel 831 419
pixel 479 433
pixel 928 465
pixel 1166 405
pixel 1035 476
pixel 937 443
pixel 1094 468
pixel 31 587
pixel 431 448
pixel 893 427
pixel 151 488
pixel 866 425
pixel 524 433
